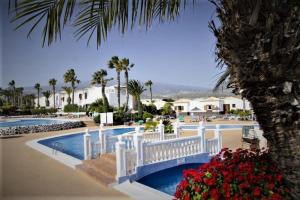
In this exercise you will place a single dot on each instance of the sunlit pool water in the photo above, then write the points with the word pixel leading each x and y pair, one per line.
pixel 167 180
pixel 73 144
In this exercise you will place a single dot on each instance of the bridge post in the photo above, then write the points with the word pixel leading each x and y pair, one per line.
pixel 176 130
pixel 218 135
pixel 201 133
pixel 138 143
pixel 137 129
pixel 121 159
pixel 87 145
pixel 102 140
pixel 161 130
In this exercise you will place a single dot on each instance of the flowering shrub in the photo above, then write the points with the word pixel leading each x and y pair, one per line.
pixel 244 174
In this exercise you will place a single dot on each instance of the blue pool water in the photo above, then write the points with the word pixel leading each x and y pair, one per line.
pixel 73 144
pixel 27 122
pixel 167 180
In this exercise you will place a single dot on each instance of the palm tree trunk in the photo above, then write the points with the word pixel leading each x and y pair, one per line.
pixel 140 108
pixel 119 88
pixel 73 91
pixel 53 89
pixel 105 101
pixel 127 94
pixel 280 120
pixel 38 101
pixel 150 93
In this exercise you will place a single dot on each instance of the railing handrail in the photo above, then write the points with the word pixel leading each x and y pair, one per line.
pixel 173 140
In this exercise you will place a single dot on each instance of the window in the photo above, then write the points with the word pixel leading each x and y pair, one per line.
pixel 85 95
pixel 80 97
pixel 179 108
pixel 209 107
pixel 233 105
pixel 63 99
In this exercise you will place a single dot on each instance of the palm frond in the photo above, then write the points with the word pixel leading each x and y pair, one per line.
pixel 223 79
pixel 94 17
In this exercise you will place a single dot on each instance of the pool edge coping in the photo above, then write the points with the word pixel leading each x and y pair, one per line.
pixel 61 157
pixel 129 188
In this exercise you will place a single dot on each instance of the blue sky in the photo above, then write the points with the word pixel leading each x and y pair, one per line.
pixel 180 52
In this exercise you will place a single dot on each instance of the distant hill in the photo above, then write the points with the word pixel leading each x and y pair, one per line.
pixel 160 90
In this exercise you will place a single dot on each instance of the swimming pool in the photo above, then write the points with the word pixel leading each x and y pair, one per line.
pixel 28 122
pixel 73 144
pixel 167 180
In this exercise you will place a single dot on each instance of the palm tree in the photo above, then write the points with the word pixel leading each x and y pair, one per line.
pixel 47 94
pixel 126 67
pixel 12 86
pixel 262 59
pixel 38 88
pixel 52 83
pixel 29 100
pixel 70 77
pixel 116 63
pixel 257 40
pixel 68 90
pixel 149 84
pixel 135 88
pixel 99 78
pixel 19 94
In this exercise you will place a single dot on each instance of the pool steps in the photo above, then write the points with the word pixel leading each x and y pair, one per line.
pixel 102 169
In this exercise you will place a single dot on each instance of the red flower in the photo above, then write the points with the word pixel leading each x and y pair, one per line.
pixel 257 192
pixel 270 186
pixel 214 194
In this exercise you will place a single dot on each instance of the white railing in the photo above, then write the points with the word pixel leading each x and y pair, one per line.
pixel 170 136
pixel 212 146
pixel 151 136
pixel 170 149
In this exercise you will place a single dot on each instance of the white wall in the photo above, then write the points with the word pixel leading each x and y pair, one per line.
pixel 93 93
pixel 239 103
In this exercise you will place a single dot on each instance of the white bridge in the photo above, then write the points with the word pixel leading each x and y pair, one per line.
pixel 141 153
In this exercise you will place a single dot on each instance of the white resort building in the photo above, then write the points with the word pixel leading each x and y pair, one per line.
pixel 211 105
pixel 84 97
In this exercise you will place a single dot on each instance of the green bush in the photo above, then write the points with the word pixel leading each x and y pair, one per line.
pixel 97 119
pixel 151 125
pixel 150 109
pixel 147 115
pixel 73 108
pixel 7 109
pixel 168 126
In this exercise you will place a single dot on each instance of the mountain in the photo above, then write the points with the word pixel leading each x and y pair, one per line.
pixel 159 90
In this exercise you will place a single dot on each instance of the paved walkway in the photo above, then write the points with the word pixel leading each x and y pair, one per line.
pixel 29 174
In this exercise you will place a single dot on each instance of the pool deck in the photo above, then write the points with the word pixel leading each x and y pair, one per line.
pixel 28 174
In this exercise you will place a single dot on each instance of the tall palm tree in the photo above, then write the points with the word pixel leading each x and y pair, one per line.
pixel 149 84
pixel 135 88
pixel 258 40
pixel 68 90
pixel 126 67
pixel 52 83
pixel 38 88
pixel 99 78
pixel 29 100
pixel 47 94
pixel 12 86
pixel 19 94
pixel 116 63
pixel 259 44
pixel 70 77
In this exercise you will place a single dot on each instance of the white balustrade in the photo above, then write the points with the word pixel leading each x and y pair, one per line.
pixel 121 159
pixel 170 136
pixel 212 146
pixel 151 136
pixel 171 149
pixel 201 133
pixel 102 140
pixel 87 145
pixel 218 136
pixel 161 130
